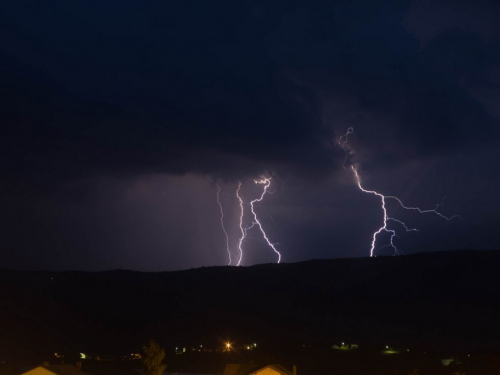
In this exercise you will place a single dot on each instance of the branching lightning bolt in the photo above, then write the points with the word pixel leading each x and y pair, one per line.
pixel 386 218
pixel 343 143
pixel 222 224
pixel 266 182
pixel 435 210
pixel 243 231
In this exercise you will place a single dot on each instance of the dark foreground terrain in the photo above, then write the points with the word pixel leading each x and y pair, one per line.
pixel 425 306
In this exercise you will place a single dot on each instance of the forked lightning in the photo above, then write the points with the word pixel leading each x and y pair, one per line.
pixel 243 231
pixel 266 182
pixel 383 198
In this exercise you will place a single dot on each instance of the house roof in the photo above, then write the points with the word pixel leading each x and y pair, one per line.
pixel 278 368
pixel 58 369
pixel 250 369
pixel 40 370
pixel 238 369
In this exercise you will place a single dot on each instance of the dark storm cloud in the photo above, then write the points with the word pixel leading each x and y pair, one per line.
pixel 112 96
pixel 139 87
pixel 405 99
pixel 173 88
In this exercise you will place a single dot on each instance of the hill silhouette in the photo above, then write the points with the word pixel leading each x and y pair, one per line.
pixel 432 300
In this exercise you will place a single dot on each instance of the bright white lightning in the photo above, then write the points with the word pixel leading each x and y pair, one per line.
pixel 222 224
pixel 266 182
pixel 243 231
pixel 435 210
pixel 386 218
pixel 384 228
pixel 343 143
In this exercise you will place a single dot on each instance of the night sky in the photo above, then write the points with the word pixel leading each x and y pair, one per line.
pixel 118 119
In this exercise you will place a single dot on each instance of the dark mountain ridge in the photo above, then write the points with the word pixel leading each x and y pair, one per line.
pixel 432 300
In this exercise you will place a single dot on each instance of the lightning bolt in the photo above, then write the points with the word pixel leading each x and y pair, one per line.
pixel 222 223
pixel 383 228
pixel 266 182
pixel 383 198
pixel 243 231
pixel 343 144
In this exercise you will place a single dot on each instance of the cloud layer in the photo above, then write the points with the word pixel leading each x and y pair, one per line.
pixel 128 91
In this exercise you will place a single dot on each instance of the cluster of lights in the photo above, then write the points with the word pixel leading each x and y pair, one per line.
pixel 345 347
pixel 180 351
pixel 229 346
pixel 387 349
